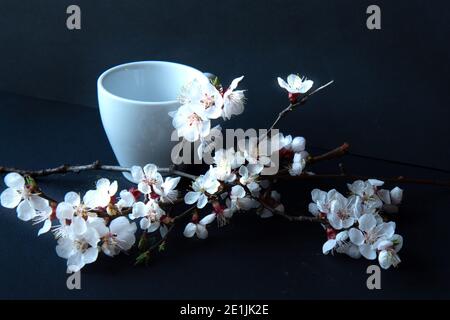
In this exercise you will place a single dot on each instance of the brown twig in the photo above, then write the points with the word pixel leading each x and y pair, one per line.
pixel 292 106
pixel 332 154
pixel 345 176
pixel 290 217
pixel 96 165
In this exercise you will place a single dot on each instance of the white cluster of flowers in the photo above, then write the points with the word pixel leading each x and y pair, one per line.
pixel 101 221
pixel 354 224
pixel 97 221
pixel 202 101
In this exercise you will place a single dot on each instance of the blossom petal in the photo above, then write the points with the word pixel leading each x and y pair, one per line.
pixel 356 236
pixel 367 251
pixel 139 210
pixel 39 203
pixel 103 184
pixel 144 223
pixel 64 210
pixel 90 255
pixel 144 188
pixel 10 198
pixel 75 262
pixel 45 228
pixel 385 259
pixel 202 201
pixel 137 174
pixel 396 195
pixel 235 83
pixel 298 144
pixel 191 197
pixel 283 84
pixel 237 191
pixel 306 86
pixel 150 170
pixel 189 230
pixel 294 80
pixel 208 219
pixel 15 181
pixel 79 225
pixel 328 246
pixel 25 211
pixel 367 222
pixel 201 231
pixel 65 248
pixel 72 198
pixel 153 226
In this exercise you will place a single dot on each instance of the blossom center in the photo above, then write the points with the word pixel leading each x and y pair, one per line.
pixel 193 119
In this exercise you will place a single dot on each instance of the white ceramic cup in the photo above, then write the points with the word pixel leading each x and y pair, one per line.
pixel 134 100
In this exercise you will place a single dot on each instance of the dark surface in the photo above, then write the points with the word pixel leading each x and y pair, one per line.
pixel 391 92
pixel 251 258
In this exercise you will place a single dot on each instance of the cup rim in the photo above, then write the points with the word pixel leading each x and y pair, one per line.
pixel 145 62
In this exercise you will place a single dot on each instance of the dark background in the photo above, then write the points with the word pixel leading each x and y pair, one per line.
pixel 390 101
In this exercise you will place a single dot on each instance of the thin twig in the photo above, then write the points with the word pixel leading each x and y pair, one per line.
pixel 290 217
pixel 332 154
pixel 96 165
pixel 292 106
pixel 329 155
pixel 345 176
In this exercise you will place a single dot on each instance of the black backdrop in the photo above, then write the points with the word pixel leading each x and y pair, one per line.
pixel 390 99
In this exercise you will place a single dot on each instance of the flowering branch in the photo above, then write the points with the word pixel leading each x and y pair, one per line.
pixel 100 221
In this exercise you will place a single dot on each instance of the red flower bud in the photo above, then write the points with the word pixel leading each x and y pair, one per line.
pixel 293 97
pixel 331 233
pixel 286 154
pixel 135 192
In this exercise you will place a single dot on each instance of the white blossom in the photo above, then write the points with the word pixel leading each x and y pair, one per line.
pixel 321 201
pixel 19 195
pixel 100 197
pixel 233 100
pixel 240 201
pixel 74 210
pixel 203 94
pixel 121 236
pixel 191 122
pixel 82 249
pixel 296 84
pixel 199 228
pixel 369 234
pixel 202 186
pixel 341 244
pixel 150 213
pixel 166 190
pixel 146 177
pixel 343 212
pixel 249 176
pixel 388 250
pixel 296 144
pixel 391 199
pixel 367 190
pixel 126 200
pixel 225 161
pixel 298 164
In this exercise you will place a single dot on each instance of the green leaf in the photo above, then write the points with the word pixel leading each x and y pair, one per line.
pixel 216 83
pixel 143 258
pixel 143 242
pixel 30 181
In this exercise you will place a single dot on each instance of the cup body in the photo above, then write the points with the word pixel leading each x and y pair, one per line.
pixel 134 101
